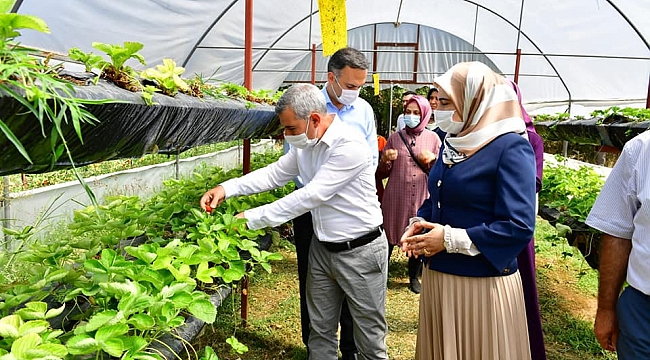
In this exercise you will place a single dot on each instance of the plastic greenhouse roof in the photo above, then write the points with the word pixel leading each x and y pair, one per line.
pixel 589 52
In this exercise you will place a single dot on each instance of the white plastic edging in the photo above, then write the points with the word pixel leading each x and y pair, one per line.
pixel 549 159
pixel 26 206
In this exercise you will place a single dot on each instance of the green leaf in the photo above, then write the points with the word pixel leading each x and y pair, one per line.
pixel 182 299
pixel 100 319
pixel 142 321
pixel 14 140
pixel 6 6
pixel 33 327
pixel 238 347
pixel 170 290
pixel 94 266
pixel 204 273
pixel 20 347
pixel 48 351
pixel 209 354
pixel 114 347
pixel 203 310
pixel 20 21
pixel 134 344
pixel 82 344
pixel 111 331
pixel 54 312
pixel 9 326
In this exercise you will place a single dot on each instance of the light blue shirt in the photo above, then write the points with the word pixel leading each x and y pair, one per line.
pixel 359 116
pixel 622 208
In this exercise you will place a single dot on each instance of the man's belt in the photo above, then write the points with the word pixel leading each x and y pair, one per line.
pixel 349 245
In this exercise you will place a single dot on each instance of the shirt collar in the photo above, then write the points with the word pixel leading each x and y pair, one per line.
pixel 332 132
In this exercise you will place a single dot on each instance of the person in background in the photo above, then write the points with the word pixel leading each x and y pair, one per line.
pixel 347 72
pixel 480 215
pixel 432 95
pixel 526 259
pixel 348 251
pixel 622 213
pixel 400 119
pixel 406 161
pixel 381 143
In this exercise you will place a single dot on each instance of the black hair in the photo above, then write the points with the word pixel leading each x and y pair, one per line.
pixel 431 91
pixel 349 57
pixel 409 92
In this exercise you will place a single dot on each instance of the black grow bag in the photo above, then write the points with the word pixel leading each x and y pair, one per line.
pixel 582 132
pixel 581 236
pixel 130 128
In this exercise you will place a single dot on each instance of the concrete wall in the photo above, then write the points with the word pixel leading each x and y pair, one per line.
pixel 25 207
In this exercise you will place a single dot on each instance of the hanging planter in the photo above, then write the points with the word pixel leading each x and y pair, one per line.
pixel 127 127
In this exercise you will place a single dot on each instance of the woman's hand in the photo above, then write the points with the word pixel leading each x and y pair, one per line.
pixel 427 157
pixel 388 155
pixel 414 242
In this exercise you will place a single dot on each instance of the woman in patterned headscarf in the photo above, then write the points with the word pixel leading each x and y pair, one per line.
pixel 480 215
pixel 407 172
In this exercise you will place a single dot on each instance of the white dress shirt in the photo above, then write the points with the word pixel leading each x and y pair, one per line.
pixel 400 122
pixel 622 208
pixel 339 189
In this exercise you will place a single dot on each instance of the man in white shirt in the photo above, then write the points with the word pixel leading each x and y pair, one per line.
pixel 622 213
pixel 400 119
pixel 348 249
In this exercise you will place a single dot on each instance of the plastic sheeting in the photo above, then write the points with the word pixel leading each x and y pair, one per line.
pixel 591 52
pixel 130 128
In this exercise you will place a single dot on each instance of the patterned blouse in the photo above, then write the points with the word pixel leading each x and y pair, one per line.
pixel 406 189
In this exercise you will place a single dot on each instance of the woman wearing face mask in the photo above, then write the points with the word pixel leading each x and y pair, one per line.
pixel 407 175
pixel 479 216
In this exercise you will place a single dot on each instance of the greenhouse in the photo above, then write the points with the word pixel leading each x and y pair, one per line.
pixel 118 117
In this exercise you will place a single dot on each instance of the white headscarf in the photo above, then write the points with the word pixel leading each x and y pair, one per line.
pixel 488 107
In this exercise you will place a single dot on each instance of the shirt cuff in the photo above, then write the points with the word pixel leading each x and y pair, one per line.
pixel 457 241
pixel 230 188
pixel 254 219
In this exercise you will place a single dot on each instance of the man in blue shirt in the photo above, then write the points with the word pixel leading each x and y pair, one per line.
pixel 347 71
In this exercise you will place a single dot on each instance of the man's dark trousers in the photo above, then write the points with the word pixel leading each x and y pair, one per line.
pixel 302 232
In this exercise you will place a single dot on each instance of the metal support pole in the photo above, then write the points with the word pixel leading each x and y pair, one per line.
pixel 313 63
pixel 6 222
pixel 246 163
pixel 390 109
pixel 176 165
pixel 647 99
pixel 517 64
pixel 565 148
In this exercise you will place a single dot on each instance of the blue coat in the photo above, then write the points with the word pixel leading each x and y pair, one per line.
pixel 492 196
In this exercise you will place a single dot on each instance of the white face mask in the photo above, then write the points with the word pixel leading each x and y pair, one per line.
pixel 301 141
pixel 347 96
pixel 445 122
pixel 412 121
pixel 432 126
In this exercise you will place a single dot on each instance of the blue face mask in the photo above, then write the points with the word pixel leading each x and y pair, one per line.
pixel 412 121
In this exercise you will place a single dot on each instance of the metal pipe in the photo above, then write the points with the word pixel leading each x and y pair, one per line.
pixel 647 99
pixel 246 164
pixel 517 64
pixel 313 63
pixel 176 165
pixel 390 109
pixel 6 222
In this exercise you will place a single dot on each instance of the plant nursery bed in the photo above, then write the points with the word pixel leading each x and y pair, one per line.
pixel 127 127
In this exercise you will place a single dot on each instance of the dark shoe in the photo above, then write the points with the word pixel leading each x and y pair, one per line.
pixel 415 285
pixel 349 356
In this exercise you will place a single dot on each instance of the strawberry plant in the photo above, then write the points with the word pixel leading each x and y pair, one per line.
pixel 90 60
pixel 38 88
pixel 570 191
pixel 116 70
pixel 167 77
